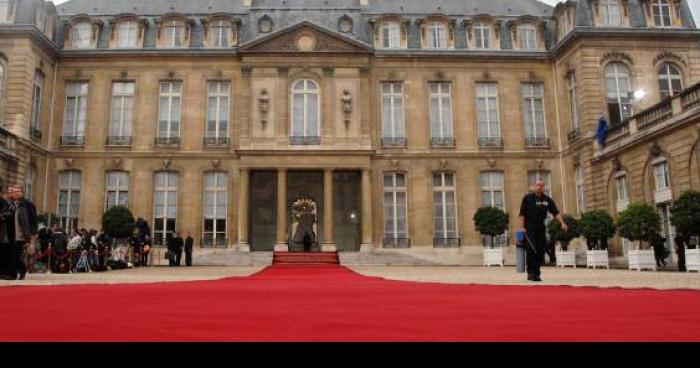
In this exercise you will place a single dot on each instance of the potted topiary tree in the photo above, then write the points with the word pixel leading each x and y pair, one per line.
pixel 597 227
pixel 118 223
pixel 641 223
pixel 685 217
pixel 564 238
pixel 492 222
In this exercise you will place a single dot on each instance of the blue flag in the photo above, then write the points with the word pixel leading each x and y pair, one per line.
pixel 602 131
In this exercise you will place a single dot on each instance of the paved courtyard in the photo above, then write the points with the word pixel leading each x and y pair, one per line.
pixel 438 274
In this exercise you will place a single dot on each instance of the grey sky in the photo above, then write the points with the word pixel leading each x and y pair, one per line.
pixel 694 5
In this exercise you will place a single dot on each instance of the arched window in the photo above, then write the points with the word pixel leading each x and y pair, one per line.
pixel 670 81
pixel 174 34
pixel 445 210
pixel 437 35
pixel 305 109
pixel 391 35
pixel 82 35
pixel 618 87
pixel 220 34
pixel 117 189
pixel 622 190
pixel 395 210
pixel 482 36
pixel 165 206
pixel 527 37
pixel 6 7
pixel 127 34
pixel 215 208
pixel 492 189
pixel 661 10
pixel 610 13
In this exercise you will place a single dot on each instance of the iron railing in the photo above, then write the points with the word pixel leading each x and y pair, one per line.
pixel 443 142
pixel 396 243
pixel 304 140
pixel 537 142
pixel 72 140
pixel 574 135
pixel 394 142
pixel 171 141
pixel 35 134
pixel 119 140
pixel 491 142
pixel 447 242
pixel 216 141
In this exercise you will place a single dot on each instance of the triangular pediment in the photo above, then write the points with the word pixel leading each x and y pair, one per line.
pixel 305 37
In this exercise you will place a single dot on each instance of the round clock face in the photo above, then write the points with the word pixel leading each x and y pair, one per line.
pixel 306 43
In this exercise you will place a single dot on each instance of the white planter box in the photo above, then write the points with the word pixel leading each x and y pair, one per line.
pixel 597 258
pixel 692 260
pixel 641 259
pixel 567 258
pixel 494 257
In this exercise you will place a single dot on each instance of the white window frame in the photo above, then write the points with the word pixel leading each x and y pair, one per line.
pixel 531 98
pixel 69 220
pixel 76 127
pixel 445 125
pixel 617 72
pixel 394 190
pixel 664 18
pixel 546 175
pixel 173 92
pixel 220 188
pixel 391 32
pixel 622 189
pixel 492 187
pixel 611 13
pixel 29 179
pixel 7 6
pixel 37 94
pixel 528 43
pixel 174 31
pixel 120 188
pixel 437 35
pixel 122 102
pixel 443 190
pixel 572 87
pixel 305 91
pixel 667 78
pixel 580 189
pixel 170 192
pixel 131 28
pixel 395 124
pixel 487 93
pixel 220 34
pixel 221 95
pixel 81 34
pixel 482 36
pixel 660 168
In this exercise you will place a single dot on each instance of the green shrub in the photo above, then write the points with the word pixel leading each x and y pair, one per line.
pixel 491 221
pixel 564 237
pixel 639 222
pixel 685 214
pixel 118 222
pixel 597 227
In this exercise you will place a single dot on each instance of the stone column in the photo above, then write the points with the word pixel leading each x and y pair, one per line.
pixel 328 244
pixel 243 203
pixel 282 244
pixel 366 245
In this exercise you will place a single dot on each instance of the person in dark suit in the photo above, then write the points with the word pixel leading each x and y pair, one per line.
pixel 22 231
pixel 5 241
pixel 178 244
pixel 189 243
pixel 681 241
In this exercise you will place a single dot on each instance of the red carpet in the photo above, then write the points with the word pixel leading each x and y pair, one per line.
pixel 331 303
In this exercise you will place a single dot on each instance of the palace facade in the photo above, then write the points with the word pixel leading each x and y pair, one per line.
pixel 398 119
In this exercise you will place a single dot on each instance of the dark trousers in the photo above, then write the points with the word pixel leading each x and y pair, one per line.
pixel 188 258
pixel 538 240
pixel 15 265
pixel 681 258
pixel 178 257
pixel 5 257
pixel 551 252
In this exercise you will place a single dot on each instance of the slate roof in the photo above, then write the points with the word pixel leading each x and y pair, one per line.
pixel 149 7
pixel 461 7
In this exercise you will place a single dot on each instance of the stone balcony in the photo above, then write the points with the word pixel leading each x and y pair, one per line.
pixel 665 114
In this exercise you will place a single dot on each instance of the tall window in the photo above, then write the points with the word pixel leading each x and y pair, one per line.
pixel 573 100
pixel 527 37
pixel 392 110
pixel 444 206
pixel 82 35
pixel 610 12
pixel 29 178
pixel 670 81
pixel 5 9
pixel 2 83
pixel 533 176
pixel 617 84
pixel 622 191
pixel 492 189
pixel 662 180
pixel 37 92
pixel 437 35
pixel 395 205
pixel 215 208
pixel 68 199
pixel 580 194
pixel 117 189
pixel 661 10
pixel 218 109
pixel 533 107
pixel 173 34
pixel 165 206
pixel 76 109
pixel 220 33
pixel 305 109
pixel 441 110
pixel 169 111
pixel 482 36
pixel 127 34
pixel 487 110
pixel 391 35
pixel 122 109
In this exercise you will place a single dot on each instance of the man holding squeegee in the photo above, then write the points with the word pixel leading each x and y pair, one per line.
pixel 533 212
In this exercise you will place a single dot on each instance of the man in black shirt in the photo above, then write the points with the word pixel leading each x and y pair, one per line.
pixel 533 212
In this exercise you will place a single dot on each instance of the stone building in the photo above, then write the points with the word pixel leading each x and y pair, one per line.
pixel 398 119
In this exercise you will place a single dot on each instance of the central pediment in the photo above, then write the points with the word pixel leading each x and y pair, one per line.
pixel 305 37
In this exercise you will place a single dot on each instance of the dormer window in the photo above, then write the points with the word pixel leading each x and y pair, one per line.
pixel 44 21
pixel 611 16
pixel 527 37
pixel 482 36
pixel 437 35
pixel 6 10
pixel 391 32
pixel 173 34
pixel 82 35
pixel 220 33
pixel 661 10
pixel 127 34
